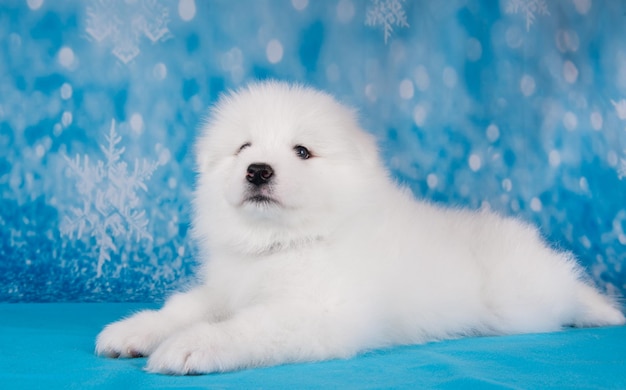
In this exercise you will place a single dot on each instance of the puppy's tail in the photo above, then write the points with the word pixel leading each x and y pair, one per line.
pixel 596 309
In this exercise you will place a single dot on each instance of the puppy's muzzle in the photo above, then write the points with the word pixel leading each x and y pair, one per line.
pixel 259 173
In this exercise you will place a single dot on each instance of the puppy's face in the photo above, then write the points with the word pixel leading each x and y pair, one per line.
pixel 266 177
pixel 282 154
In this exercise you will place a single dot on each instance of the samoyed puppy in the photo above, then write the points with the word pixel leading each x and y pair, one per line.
pixel 310 252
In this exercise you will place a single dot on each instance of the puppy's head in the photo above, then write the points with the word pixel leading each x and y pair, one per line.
pixel 279 164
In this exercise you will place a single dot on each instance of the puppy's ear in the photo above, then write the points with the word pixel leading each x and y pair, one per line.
pixel 202 150
pixel 210 143
pixel 202 160
pixel 368 148
pixel 366 144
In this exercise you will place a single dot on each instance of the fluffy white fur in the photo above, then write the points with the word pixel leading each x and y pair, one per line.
pixel 337 259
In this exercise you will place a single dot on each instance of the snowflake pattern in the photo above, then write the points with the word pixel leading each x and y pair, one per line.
pixel 529 8
pixel 124 23
pixel 72 87
pixel 111 207
pixel 386 14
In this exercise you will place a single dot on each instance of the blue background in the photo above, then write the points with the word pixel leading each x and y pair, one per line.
pixel 516 105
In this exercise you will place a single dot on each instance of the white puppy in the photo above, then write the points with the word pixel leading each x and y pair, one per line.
pixel 311 252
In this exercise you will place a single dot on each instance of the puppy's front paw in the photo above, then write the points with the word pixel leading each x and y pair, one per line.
pixel 188 352
pixel 136 336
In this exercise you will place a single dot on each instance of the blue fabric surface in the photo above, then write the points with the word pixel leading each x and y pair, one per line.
pixel 519 105
pixel 50 346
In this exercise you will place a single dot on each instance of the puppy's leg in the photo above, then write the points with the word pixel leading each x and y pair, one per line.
pixel 141 333
pixel 259 336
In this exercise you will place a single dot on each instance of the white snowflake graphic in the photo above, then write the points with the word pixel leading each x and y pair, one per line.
pixel 386 14
pixel 529 8
pixel 123 23
pixel 111 207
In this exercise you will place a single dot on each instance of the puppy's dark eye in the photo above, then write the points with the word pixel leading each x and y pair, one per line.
pixel 242 147
pixel 302 152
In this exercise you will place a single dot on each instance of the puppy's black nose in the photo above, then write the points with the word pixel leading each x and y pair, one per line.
pixel 259 173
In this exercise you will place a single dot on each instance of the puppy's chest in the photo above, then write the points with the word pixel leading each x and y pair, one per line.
pixel 288 276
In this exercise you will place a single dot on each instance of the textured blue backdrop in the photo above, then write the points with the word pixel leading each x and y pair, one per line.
pixel 517 105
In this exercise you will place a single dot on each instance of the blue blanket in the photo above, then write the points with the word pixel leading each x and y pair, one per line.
pixel 50 346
